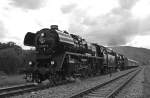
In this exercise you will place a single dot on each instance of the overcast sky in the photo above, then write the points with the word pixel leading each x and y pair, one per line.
pixel 107 22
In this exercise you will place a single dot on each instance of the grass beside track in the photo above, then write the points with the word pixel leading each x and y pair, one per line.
pixel 11 80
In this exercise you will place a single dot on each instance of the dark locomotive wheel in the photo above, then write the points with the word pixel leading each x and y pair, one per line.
pixel 29 77
pixel 52 79
pixel 37 78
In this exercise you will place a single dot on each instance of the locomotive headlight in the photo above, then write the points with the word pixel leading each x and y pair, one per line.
pixel 41 38
pixel 52 62
pixel 30 62
pixel 42 34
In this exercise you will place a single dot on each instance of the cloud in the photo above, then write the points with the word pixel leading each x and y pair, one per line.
pixel 127 4
pixel 28 4
pixel 108 22
pixel 68 8
pixel 3 31
pixel 113 32
pixel 116 27
pixel 144 27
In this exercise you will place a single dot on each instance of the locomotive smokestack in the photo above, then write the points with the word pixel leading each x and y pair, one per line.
pixel 54 27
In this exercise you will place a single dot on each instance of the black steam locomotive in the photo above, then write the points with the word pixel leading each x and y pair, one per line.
pixel 63 56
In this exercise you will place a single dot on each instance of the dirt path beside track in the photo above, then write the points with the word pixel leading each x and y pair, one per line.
pixel 147 82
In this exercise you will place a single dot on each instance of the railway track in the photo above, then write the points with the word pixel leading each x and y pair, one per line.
pixel 18 89
pixel 24 88
pixel 108 89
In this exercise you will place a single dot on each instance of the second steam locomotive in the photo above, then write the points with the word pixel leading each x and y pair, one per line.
pixel 63 56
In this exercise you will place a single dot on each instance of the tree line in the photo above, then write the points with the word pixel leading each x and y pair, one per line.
pixel 13 58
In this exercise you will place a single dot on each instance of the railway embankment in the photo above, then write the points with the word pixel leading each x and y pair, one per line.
pixel 138 87
pixel 65 90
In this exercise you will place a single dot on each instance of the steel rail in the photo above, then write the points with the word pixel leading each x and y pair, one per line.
pixel 89 90
pixel 18 89
pixel 120 87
